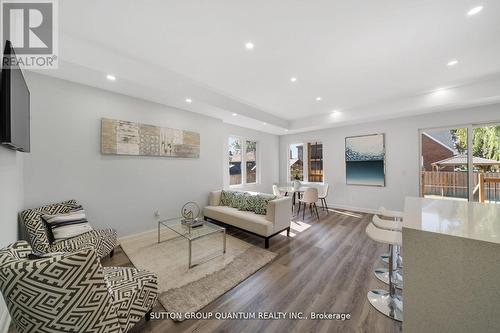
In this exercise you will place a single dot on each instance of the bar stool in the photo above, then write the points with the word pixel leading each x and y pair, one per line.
pixel 387 302
pixel 393 215
pixel 383 273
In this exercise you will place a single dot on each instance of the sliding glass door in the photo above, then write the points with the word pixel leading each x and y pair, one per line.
pixel 444 164
pixel 486 163
pixel 461 163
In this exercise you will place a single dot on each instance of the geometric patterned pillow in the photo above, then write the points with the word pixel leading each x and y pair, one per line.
pixel 227 198
pixel 239 200
pixel 261 202
pixel 251 202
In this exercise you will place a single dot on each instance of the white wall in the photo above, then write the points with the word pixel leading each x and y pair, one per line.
pixel 402 156
pixel 11 197
pixel 122 191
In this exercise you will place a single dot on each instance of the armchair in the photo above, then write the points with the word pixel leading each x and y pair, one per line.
pixel 72 292
pixel 103 241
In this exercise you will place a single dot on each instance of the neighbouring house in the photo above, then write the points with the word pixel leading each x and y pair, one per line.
pixel 480 163
pixel 235 168
pixel 296 161
pixel 436 146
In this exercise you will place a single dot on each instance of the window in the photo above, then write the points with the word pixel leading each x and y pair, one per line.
pixel 251 161
pixel 315 162
pixel 296 162
pixel 243 167
pixel 234 161
pixel 461 163
pixel 305 162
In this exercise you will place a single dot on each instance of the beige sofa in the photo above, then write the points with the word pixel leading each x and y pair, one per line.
pixel 277 219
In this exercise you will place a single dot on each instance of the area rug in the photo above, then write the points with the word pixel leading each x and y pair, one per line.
pixel 184 290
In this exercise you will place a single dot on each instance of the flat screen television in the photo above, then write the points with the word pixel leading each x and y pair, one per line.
pixel 14 104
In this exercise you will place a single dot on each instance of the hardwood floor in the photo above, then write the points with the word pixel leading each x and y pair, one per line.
pixel 327 266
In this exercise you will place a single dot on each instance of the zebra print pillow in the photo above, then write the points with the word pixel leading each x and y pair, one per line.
pixel 67 225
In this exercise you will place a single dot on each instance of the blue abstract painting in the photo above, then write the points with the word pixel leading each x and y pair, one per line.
pixel 365 160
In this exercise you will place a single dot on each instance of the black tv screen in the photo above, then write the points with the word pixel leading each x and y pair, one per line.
pixel 15 104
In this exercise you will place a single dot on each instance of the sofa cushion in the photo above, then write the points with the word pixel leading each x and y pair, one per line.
pixel 227 198
pixel 245 220
pixel 103 241
pixel 240 200
pixel 261 202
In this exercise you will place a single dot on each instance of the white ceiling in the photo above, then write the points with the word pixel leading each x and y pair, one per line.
pixel 369 59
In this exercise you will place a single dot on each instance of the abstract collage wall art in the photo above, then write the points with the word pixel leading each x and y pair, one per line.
pixel 119 137
pixel 365 160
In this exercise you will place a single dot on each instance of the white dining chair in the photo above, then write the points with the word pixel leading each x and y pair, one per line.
pixel 276 191
pixel 323 195
pixel 309 198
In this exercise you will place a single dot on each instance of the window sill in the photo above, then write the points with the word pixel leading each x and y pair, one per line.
pixel 243 185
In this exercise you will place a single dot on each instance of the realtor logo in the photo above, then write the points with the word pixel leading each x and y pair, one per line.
pixel 31 27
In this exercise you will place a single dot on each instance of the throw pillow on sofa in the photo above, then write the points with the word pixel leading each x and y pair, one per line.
pixel 67 225
pixel 238 200
pixel 250 202
pixel 226 198
pixel 261 202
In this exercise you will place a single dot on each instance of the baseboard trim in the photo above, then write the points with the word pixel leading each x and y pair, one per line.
pixel 135 235
pixel 353 209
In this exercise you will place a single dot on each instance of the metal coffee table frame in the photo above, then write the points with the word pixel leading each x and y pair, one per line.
pixel 192 234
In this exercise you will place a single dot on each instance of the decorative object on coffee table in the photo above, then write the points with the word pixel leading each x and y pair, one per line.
pixel 191 215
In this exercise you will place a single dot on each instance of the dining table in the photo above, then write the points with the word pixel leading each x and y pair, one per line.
pixel 294 191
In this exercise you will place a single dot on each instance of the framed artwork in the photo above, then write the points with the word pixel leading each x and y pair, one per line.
pixel 119 137
pixel 365 160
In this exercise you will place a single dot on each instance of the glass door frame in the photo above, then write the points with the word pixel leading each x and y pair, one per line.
pixel 470 165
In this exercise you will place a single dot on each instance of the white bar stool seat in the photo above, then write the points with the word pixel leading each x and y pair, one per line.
pixel 383 273
pixel 387 224
pixel 393 214
pixel 387 302
pixel 389 237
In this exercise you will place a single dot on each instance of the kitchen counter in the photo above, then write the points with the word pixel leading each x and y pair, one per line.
pixel 451 252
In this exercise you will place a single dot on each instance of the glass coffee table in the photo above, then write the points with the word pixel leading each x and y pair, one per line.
pixel 192 234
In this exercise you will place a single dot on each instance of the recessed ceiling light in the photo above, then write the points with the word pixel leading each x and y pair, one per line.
pixel 249 45
pixel 188 100
pixel 235 114
pixel 439 91
pixel 335 112
pixel 293 79
pixel 286 130
pixel 111 77
pixel 475 10
pixel 318 99
pixel 264 124
pixel 452 62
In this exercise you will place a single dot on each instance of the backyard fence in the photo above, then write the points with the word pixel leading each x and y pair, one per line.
pixel 486 186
